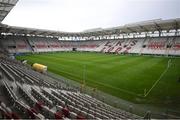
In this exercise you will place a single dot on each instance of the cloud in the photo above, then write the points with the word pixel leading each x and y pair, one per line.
pixel 78 15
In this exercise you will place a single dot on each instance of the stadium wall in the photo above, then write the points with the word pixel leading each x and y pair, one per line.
pixel 143 46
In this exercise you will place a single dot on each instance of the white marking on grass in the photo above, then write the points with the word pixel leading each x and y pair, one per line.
pixel 122 90
pixel 168 65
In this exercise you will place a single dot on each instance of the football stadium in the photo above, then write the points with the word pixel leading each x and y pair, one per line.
pixel 130 71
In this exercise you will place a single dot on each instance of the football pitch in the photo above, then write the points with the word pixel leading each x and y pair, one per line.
pixel 139 79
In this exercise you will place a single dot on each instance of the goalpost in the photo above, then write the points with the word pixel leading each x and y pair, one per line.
pixel 169 63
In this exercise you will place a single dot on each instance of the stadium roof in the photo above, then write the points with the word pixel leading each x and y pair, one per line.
pixel 139 27
pixel 5 7
pixel 146 26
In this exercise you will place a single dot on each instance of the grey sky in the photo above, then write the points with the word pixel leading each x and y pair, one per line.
pixel 79 15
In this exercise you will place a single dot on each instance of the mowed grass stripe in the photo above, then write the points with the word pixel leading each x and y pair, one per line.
pixel 76 56
pixel 115 74
pixel 112 76
pixel 60 68
pixel 146 75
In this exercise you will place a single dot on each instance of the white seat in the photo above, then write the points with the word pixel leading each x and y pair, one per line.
pixel 8 110
pixel 90 116
pixel 3 105
pixel 71 108
pixel 77 110
pixel 85 109
pixel 84 113
pixel 59 108
pixel 73 115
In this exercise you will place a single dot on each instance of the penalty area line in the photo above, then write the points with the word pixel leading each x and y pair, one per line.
pixel 168 65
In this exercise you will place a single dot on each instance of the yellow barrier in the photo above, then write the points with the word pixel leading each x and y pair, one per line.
pixel 39 67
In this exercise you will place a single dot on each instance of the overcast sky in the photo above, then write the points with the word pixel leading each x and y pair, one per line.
pixel 79 15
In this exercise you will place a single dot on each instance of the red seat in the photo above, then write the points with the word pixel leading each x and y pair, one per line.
pixel 15 116
pixel 31 113
pixel 58 115
pixel 65 111
pixel 8 116
pixel 39 105
pixel 81 117
pixel 34 111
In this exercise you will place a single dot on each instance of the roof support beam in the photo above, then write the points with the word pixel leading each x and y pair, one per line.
pixel 31 32
pixel 158 27
pixel 176 25
pixel 43 33
pixel 53 34
pixel 144 28
pixel 4 11
pixel 22 31
pixel 5 4
pixel 130 29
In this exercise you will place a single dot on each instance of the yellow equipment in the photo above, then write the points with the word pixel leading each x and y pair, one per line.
pixel 39 67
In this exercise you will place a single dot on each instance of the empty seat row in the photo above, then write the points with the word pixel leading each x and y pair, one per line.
pixel 23 76
pixel 27 111
pixel 8 75
pixel 92 105
pixel 31 100
pixel 7 113
pixel 34 78
pixel 27 78
pixel 48 113
pixel 10 93
pixel 74 106
pixel 39 96
pixel 16 76
pixel 52 97
pixel 62 97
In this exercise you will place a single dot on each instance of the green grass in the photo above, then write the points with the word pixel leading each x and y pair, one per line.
pixel 119 75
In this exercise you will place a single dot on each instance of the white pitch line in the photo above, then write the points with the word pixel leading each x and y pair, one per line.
pixel 122 90
pixel 159 78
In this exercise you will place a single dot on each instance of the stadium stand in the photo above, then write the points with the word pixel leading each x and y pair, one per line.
pixel 37 100
pixel 155 46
